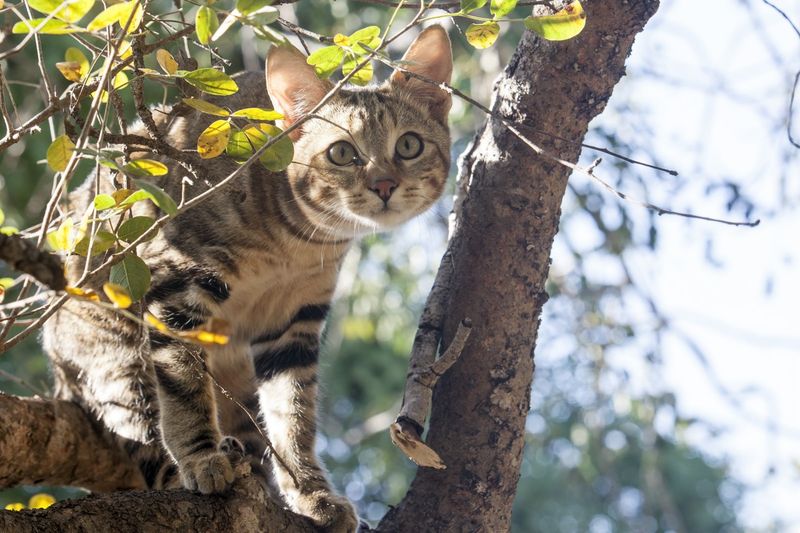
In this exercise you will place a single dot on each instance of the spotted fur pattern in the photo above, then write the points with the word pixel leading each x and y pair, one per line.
pixel 263 254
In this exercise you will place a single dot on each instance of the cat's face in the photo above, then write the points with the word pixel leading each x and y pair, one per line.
pixel 375 157
pixel 376 161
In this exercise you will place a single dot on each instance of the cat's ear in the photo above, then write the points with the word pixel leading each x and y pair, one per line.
pixel 293 86
pixel 431 56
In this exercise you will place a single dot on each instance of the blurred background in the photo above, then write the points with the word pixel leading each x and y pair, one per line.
pixel 665 396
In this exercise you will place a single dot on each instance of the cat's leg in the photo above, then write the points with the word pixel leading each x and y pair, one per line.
pixel 237 405
pixel 287 375
pixel 188 415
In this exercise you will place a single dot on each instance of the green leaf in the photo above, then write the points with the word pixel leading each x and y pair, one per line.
pixel 211 81
pixel 261 18
pixel 134 197
pixel 244 143
pixel 471 5
pixel 119 13
pixel 363 75
pixel 326 60
pixel 482 35
pixel 59 153
pixel 134 227
pixel 206 24
pixel 279 155
pixel 213 140
pixel 246 7
pixel 8 230
pixel 501 8
pixel 369 36
pixel 2 217
pixel 51 27
pixel 133 275
pixel 145 167
pixel 206 107
pixel 103 240
pixel 257 113
pixel 103 202
pixel 159 197
pixel 72 11
pixel 561 26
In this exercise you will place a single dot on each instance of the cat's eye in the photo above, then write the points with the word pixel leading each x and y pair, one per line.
pixel 342 153
pixel 409 146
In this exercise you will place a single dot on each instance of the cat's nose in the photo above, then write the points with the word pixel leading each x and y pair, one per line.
pixel 384 188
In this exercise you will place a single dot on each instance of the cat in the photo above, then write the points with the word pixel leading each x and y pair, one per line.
pixel 263 254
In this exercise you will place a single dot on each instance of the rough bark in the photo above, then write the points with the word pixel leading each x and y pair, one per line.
pixel 244 508
pixel 55 443
pixel 500 256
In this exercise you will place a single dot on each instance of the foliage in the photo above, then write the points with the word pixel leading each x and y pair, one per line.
pixel 590 465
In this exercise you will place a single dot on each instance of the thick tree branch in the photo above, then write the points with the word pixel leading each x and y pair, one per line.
pixel 243 509
pixel 24 256
pixel 54 442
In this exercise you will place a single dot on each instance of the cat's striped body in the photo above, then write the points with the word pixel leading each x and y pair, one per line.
pixel 263 255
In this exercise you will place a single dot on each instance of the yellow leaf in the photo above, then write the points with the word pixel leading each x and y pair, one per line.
pixel 561 26
pixel 214 139
pixel 156 323
pixel 70 70
pixel 59 153
pixel 206 107
pixel 341 40
pixel 17 506
pixel 120 14
pixel 75 54
pixel 166 61
pixel 482 35
pixel 205 337
pixel 41 501
pixel 85 294
pixel 62 240
pixel 120 194
pixel 125 50
pixel 120 81
pixel 145 167
pixel 118 295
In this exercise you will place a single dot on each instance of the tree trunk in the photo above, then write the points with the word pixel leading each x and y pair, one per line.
pixel 501 258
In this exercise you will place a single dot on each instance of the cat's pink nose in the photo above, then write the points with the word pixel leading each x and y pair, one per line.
pixel 384 188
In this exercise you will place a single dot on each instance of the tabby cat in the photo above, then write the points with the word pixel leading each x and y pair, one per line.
pixel 262 254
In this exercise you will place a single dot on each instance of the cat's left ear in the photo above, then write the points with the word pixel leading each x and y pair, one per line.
pixel 430 56
pixel 293 86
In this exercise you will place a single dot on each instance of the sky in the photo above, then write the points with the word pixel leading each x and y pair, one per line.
pixel 713 82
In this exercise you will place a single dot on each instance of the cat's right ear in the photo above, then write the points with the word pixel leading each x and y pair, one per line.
pixel 429 56
pixel 293 86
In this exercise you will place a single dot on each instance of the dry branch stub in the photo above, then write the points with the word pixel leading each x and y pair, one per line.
pixel 406 431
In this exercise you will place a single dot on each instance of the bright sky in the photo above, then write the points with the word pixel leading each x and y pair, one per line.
pixel 725 70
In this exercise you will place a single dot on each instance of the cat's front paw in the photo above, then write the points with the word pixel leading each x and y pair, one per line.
pixel 209 473
pixel 331 512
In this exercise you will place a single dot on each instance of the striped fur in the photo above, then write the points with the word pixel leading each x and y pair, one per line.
pixel 263 254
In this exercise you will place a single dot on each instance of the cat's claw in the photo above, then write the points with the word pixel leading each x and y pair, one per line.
pixel 210 473
pixel 330 512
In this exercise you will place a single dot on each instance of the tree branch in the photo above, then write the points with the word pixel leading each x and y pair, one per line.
pixel 243 509
pixel 25 257
pixel 54 442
